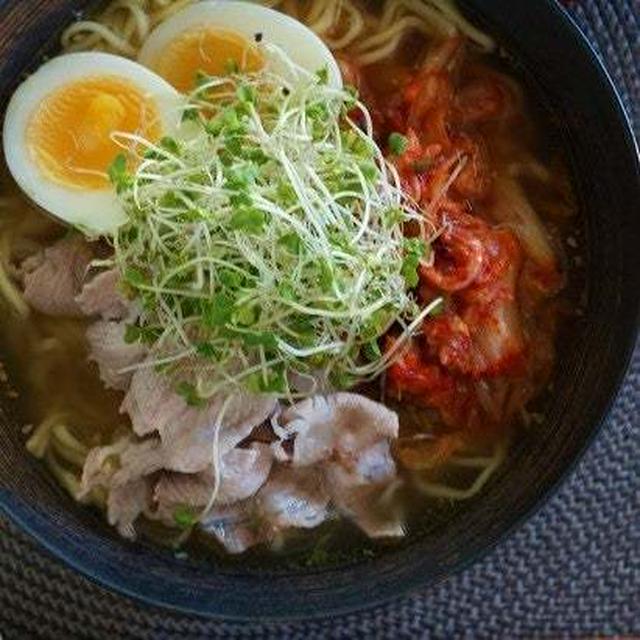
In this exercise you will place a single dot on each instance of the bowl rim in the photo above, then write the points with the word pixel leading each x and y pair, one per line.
pixel 22 515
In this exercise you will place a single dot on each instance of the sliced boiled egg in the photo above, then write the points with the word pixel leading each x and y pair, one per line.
pixel 209 35
pixel 58 132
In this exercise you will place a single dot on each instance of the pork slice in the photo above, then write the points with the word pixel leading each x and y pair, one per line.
pixel 345 437
pixel 30 264
pixel 312 421
pixel 178 490
pixel 52 283
pixel 343 422
pixel 362 422
pixel 357 486
pixel 189 440
pixel 124 470
pixel 235 527
pixel 126 460
pixel 141 458
pixel 360 500
pixel 100 465
pixel 126 502
pixel 101 296
pixel 151 402
pixel 294 497
pixel 242 473
pixel 373 465
pixel 188 432
pixel 111 353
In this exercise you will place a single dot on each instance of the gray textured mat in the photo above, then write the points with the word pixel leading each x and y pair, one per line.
pixel 572 571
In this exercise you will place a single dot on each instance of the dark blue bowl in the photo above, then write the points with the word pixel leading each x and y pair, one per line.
pixel 558 63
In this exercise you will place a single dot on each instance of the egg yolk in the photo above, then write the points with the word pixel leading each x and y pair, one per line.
pixel 69 134
pixel 207 50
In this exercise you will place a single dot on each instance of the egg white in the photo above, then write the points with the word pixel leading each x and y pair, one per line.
pixel 247 19
pixel 95 211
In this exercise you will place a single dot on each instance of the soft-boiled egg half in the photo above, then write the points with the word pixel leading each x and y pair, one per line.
pixel 207 36
pixel 58 132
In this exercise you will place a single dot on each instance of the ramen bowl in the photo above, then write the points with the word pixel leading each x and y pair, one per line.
pixel 553 58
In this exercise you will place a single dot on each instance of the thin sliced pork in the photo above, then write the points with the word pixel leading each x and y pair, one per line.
pixel 138 478
pixel 234 527
pixel 52 283
pixel 242 473
pixel 362 502
pixel 151 402
pixel 101 296
pixel 126 502
pixel 109 350
pixel 190 443
pixel 100 465
pixel 294 497
pixel 124 462
pixel 358 491
pixel 340 456
pixel 346 436
pixel 124 470
pixel 188 433
pixel 344 423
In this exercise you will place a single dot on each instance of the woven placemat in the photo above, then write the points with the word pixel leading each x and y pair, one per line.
pixel 572 571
